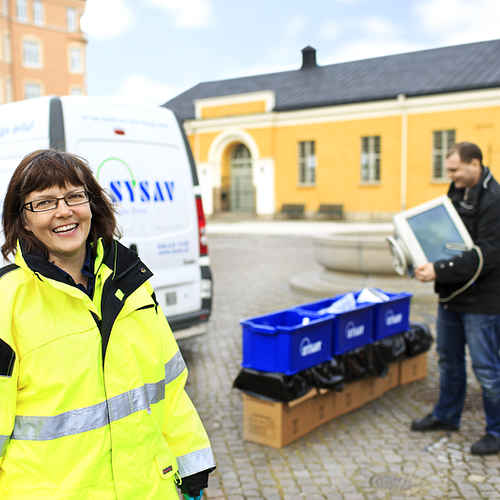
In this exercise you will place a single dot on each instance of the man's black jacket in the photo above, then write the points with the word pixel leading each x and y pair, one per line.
pixel 480 213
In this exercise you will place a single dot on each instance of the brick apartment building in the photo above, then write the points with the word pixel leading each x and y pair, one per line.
pixel 42 49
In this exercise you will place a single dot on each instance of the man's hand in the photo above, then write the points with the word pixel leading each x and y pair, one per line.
pixel 425 272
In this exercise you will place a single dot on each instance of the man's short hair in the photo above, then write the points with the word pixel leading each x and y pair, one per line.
pixel 467 152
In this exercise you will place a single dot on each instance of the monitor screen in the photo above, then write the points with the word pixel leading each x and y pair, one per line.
pixel 433 229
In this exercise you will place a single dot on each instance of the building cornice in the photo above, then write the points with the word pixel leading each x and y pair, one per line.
pixel 380 109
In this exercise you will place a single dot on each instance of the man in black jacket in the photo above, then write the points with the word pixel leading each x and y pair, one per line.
pixel 469 300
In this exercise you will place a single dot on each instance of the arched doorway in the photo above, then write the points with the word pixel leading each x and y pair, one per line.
pixel 241 191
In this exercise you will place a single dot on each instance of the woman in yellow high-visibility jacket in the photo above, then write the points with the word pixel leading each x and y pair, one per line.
pixel 92 400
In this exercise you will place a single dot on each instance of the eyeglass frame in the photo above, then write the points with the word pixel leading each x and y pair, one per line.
pixel 30 203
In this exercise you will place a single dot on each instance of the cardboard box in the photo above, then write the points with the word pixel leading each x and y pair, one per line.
pixel 349 398
pixel 372 388
pixel 413 369
pixel 276 424
pixel 391 380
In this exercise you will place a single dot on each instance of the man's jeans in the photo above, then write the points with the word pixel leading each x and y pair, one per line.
pixel 482 334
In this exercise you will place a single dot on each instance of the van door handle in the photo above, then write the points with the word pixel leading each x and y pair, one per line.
pixel 187 262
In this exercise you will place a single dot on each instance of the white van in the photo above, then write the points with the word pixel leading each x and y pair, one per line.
pixel 140 154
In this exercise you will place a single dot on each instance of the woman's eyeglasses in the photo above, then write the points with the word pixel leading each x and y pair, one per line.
pixel 46 204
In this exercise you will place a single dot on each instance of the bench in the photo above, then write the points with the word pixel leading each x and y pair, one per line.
pixel 331 211
pixel 292 210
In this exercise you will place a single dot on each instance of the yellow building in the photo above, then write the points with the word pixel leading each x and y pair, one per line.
pixel 370 135
pixel 42 49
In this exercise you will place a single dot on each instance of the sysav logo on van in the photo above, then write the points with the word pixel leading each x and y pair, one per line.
pixel 132 191
pixel 306 347
pixel 142 191
pixel 392 319
pixel 352 331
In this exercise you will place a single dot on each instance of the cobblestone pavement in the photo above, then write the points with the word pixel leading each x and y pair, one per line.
pixel 369 453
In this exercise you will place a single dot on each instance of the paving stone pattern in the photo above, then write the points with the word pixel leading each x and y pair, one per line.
pixel 367 454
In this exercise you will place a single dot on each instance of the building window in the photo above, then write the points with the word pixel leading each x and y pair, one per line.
pixel 6 48
pixel 76 91
pixel 370 159
pixel 5 7
pixel 71 19
pixel 38 12
pixel 31 54
pixel 1 91
pixel 21 10
pixel 32 90
pixel 9 94
pixel 307 162
pixel 75 60
pixel 442 140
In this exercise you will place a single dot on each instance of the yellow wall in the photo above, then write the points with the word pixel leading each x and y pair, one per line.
pixel 244 108
pixel 338 154
pixel 480 126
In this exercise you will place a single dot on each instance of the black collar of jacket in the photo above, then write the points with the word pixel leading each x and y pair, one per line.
pixel 128 274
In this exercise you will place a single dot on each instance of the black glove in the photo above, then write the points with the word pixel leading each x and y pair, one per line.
pixel 193 484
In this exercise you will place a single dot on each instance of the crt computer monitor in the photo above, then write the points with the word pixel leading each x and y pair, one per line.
pixel 429 232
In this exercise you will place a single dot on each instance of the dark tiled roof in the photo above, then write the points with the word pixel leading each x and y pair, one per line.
pixel 449 69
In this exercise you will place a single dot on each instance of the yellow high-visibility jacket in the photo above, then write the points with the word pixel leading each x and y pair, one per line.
pixel 92 400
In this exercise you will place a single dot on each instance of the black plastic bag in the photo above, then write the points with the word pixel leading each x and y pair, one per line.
pixel 329 375
pixel 393 348
pixel 355 364
pixel 376 364
pixel 418 339
pixel 274 386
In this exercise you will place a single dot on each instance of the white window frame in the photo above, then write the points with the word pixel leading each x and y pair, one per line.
pixel 22 10
pixel 7 49
pixel 75 60
pixel 32 53
pixel 370 159
pixel 5 7
pixel 71 18
pixel 38 12
pixel 32 90
pixel 307 163
pixel 9 90
pixel 442 140
pixel 76 90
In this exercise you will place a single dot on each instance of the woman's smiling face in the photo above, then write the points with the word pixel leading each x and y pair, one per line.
pixel 63 231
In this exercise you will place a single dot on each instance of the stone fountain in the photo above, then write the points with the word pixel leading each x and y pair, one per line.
pixel 355 258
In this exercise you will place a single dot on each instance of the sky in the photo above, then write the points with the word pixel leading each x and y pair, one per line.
pixel 149 51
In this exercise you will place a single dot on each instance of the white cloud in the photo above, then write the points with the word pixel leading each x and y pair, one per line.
pixel 369 48
pixel 187 13
pixel 460 21
pixel 378 26
pixel 106 19
pixel 330 30
pixel 295 26
pixel 139 88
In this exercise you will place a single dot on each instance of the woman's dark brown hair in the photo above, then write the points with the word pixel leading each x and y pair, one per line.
pixel 42 170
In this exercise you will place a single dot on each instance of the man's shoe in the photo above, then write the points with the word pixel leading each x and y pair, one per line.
pixel 488 445
pixel 431 423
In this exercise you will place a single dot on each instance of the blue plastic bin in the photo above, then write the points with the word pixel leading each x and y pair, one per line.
pixel 393 316
pixel 351 329
pixel 279 342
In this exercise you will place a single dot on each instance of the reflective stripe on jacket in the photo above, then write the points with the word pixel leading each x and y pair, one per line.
pixel 92 400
